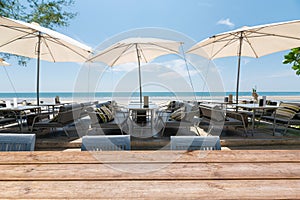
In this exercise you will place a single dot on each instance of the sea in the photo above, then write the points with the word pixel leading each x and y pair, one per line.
pixel 48 97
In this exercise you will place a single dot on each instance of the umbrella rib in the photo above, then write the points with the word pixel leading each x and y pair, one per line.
pixel 57 41
pixel 250 44
pixel 21 29
pixel 128 47
pixel 154 44
pixel 49 50
pixel 223 39
pixel 276 35
pixel 262 34
pixel 143 55
pixel 245 38
pixel 33 34
pixel 15 39
pixel 107 51
pixel 230 41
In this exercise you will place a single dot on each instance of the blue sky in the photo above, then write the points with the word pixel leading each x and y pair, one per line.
pixel 98 20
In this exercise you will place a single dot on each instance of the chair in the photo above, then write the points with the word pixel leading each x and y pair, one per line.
pixel 195 143
pixel 219 118
pixel 105 143
pixel 185 117
pixel 286 114
pixel 119 121
pixel 7 118
pixel 17 142
pixel 66 116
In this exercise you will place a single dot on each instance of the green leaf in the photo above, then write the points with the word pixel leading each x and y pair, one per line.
pixel 293 57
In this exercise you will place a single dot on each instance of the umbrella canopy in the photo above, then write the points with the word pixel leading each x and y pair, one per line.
pixel 33 41
pixel 255 41
pixel 136 50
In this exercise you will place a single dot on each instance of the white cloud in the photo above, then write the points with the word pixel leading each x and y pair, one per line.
pixel 226 22
pixel 179 66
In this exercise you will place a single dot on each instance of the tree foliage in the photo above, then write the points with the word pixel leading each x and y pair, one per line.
pixel 47 13
pixel 293 57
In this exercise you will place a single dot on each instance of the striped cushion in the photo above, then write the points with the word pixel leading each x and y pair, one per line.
pixel 178 114
pixel 107 112
pixel 287 110
pixel 100 115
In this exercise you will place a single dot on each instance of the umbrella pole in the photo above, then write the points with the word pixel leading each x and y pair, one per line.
pixel 238 72
pixel 38 70
pixel 140 82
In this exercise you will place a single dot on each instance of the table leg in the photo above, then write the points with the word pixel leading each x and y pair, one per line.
pixel 253 120
pixel 20 119
pixel 152 120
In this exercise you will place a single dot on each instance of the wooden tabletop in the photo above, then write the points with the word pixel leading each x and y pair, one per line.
pixel 247 174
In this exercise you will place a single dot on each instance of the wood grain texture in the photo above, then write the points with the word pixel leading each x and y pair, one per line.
pixel 249 174
pixel 206 189
pixel 150 156
pixel 153 171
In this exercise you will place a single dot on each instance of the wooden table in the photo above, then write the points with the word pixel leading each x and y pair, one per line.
pixel 244 174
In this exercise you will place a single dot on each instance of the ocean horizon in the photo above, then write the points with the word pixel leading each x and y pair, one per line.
pixel 68 95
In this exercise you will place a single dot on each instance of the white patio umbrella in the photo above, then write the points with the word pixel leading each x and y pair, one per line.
pixel 33 41
pixel 255 41
pixel 136 50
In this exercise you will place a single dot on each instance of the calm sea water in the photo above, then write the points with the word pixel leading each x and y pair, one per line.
pixel 109 95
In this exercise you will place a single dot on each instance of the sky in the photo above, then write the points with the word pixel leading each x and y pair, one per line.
pixel 99 20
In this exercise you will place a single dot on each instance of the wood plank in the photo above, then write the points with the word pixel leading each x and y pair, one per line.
pixel 259 142
pixel 150 156
pixel 151 171
pixel 206 189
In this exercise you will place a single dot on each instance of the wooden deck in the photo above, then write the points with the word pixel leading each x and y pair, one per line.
pixel 243 174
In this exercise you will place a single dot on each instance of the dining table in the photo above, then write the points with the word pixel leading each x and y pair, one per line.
pixel 253 108
pixel 21 112
pixel 146 113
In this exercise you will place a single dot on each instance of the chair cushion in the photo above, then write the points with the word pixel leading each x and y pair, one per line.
pixel 108 113
pixel 100 115
pixel 178 114
pixel 287 110
pixel 174 105
pixel 107 104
